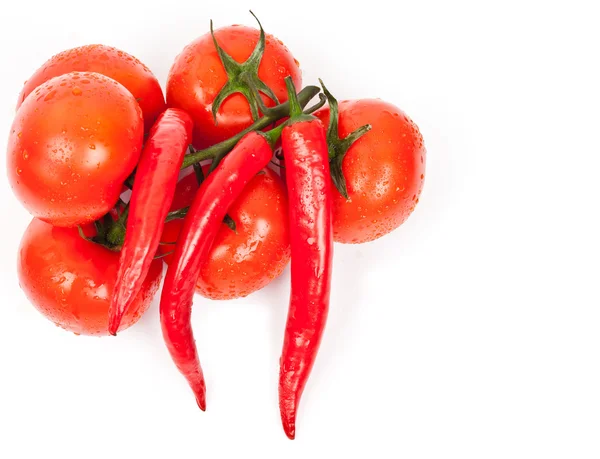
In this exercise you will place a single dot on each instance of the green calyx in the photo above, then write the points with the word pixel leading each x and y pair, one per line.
pixel 243 78
pixel 273 135
pixel 110 233
pixel 339 147
pixel 296 111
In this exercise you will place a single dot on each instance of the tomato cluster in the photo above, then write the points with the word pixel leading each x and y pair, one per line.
pixel 93 128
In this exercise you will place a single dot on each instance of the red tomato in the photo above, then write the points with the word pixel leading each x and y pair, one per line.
pixel 73 143
pixel 70 280
pixel 113 63
pixel 198 75
pixel 244 261
pixel 384 170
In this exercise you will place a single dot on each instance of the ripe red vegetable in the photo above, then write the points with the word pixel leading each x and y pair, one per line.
pixel 200 227
pixel 73 143
pixel 109 61
pixel 70 280
pixel 198 76
pixel 98 157
pixel 153 189
pixel 245 260
pixel 384 170
pixel 308 183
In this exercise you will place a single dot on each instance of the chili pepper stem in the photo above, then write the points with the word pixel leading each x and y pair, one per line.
pixel 273 135
pixel 296 114
pixel 295 108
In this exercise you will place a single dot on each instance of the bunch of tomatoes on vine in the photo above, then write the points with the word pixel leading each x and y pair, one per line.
pixel 226 180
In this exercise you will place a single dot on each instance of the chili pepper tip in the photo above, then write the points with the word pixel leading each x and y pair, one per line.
pixel 201 402
pixel 290 431
pixel 288 419
pixel 113 323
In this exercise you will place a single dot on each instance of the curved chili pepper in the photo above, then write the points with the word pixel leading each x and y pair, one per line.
pixel 154 187
pixel 308 184
pixel 202 222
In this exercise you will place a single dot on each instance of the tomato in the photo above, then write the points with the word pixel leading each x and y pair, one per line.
pixel 384 170
pixel 70 280
pixel 198 75
pixel 113 63
pixel 244 261
pixel 73 143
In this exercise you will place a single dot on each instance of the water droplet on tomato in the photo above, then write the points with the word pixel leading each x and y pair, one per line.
pixel 50 95
pixel 19 171
pixel 25 154
pixel 76 91
pixel 92 146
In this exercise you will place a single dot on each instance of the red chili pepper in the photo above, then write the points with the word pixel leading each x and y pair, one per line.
pixel 155 180
pixel 202 222
pixel 308 183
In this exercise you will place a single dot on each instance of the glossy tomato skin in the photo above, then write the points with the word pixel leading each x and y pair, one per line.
pixel 384 170
pixel 71 280
pixel 73 143
pixel 113 63
pixel 245 261
pixel 197 76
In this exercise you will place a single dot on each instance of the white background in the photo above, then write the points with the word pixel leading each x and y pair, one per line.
pixel 470 332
